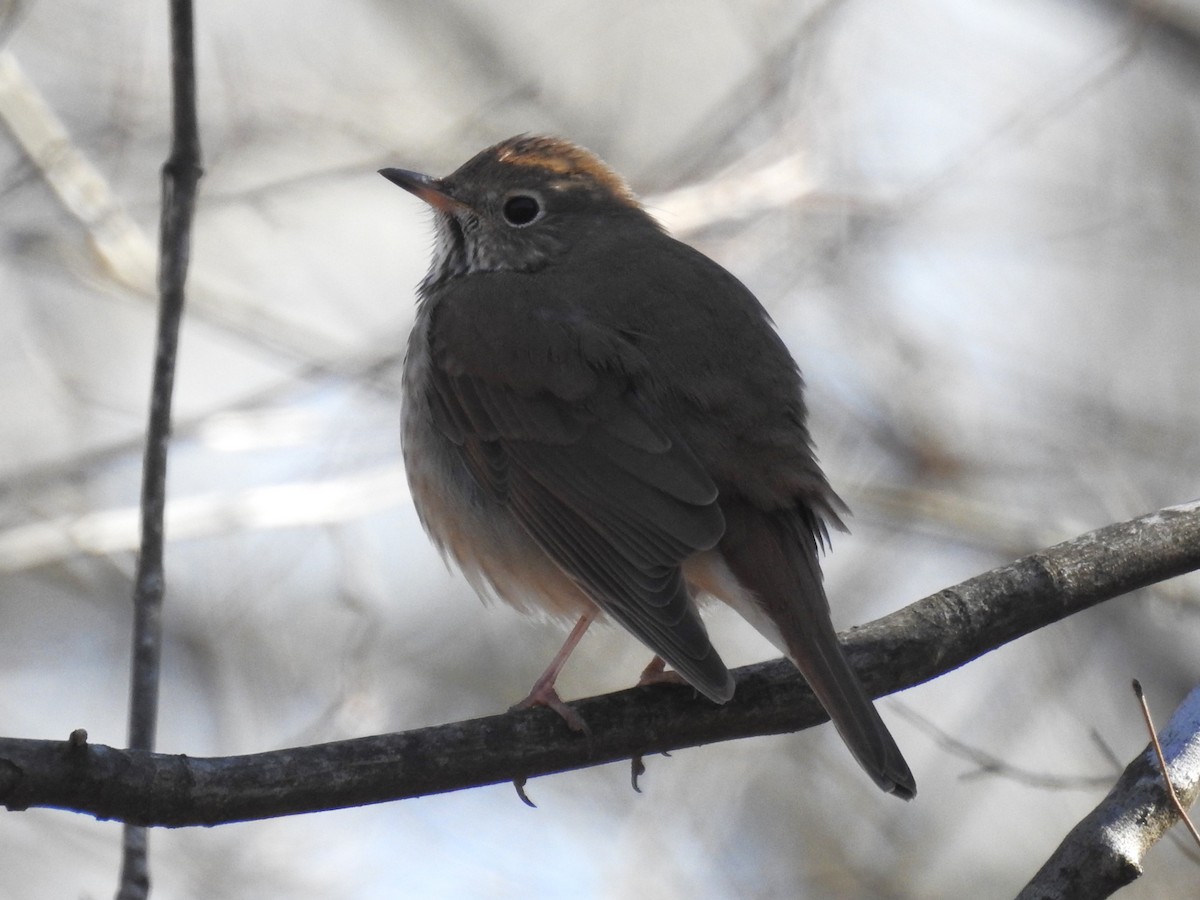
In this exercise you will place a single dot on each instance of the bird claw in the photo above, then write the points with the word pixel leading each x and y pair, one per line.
pixel 519 784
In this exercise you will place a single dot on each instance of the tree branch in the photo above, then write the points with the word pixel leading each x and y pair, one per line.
pixel 1104 852
pixel 181 173
pixel 927 639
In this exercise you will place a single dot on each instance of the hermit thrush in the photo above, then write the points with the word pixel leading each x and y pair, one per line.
pixel 600 420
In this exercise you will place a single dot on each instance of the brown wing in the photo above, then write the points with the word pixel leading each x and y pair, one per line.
pixel 554 417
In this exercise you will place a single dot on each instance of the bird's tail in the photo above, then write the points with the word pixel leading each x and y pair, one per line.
pixel 775 557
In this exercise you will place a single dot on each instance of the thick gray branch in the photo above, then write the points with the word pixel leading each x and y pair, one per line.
pixel 1104 852
pixel 920 642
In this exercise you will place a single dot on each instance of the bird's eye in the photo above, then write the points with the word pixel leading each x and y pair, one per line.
pixel 521 210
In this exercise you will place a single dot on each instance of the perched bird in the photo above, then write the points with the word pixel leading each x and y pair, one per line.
pixel 601 421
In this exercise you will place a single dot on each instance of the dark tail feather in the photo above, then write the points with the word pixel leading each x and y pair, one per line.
pixel 776 557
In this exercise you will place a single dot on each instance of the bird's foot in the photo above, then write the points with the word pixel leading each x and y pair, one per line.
pixel 544 694
pixel 656 673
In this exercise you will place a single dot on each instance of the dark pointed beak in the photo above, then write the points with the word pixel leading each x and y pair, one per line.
pixel 428 189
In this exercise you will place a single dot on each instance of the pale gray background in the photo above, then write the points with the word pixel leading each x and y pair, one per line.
pixel 976 224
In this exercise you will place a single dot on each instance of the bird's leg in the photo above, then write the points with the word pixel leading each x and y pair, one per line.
pixel 655 673
pixel 544 694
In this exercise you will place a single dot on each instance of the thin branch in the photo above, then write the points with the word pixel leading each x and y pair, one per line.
pixel 1174 26
pixel 988 764
pixel 1163 766
pixel 927 639
pixel 1104 852
pixel 181 173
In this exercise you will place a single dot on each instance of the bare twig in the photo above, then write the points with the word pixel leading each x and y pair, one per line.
pixel 181 173
pixel 927 639
pixel 1180 809
pixel 988 764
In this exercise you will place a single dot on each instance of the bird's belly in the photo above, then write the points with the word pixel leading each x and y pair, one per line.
pixel 477 530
